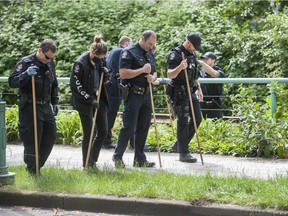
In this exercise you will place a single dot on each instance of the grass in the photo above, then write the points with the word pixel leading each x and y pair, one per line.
pixel 271 193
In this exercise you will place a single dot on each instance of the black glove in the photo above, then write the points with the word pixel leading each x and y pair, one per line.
pixel 95 104
pixel 107 76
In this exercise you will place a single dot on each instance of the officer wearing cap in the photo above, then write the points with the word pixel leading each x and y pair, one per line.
pixel 113 89
pixel 178 92
pixel 212 103
pixel 41 66
pixel 137 70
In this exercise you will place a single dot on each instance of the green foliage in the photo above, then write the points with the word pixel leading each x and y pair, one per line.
pixel 69 130
pixel 260 131
pixel 12 124
pixel 250 37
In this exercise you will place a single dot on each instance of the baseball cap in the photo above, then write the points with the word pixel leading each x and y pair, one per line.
pixel 195 39
pixel 209 55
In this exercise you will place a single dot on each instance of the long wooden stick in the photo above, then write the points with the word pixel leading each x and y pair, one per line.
pixel 168 105
pixel 94 122
pixel 192 110
pixel 169 112
pixel 35 126
pixel 155 124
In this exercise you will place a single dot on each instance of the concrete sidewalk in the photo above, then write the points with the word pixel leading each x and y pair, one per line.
pixel 71 157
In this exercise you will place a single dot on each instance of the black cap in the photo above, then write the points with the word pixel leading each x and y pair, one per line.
pixel 195 39
pixel 209 55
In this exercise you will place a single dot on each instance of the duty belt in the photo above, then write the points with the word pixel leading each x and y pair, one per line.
pixel 42 102
pixel 139 90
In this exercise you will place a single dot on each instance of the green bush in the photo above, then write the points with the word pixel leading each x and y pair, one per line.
pixel 248 36
pixel 69 130
pixel 12 124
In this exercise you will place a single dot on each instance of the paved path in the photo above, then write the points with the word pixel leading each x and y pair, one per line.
pixel 71 157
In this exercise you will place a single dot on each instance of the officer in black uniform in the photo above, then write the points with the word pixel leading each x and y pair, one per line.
pixel 178 94
pixel 41 66
pixel 137 70
pixel 212 102
pixel 113 89
pixel 84 84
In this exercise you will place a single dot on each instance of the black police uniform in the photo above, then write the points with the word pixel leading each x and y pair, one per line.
pixel 114 93
pixel 84 83
pixel 177 92
pixel 46 87
pixel 137 107
pixel 212 102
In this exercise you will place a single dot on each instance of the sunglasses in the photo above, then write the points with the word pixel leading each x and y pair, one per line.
pixel 46 57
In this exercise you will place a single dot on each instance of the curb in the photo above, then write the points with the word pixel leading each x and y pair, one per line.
pixel 124 205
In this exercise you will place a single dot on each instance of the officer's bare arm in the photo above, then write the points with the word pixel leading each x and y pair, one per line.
pixel 172 73
pixel 126 73
pixel 209 69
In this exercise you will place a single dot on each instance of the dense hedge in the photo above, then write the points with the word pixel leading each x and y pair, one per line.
pixel 249 37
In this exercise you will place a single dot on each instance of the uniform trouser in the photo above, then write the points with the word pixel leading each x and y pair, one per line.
pixel 46 133
pixel 114 104
pixel 136 114
pixel 100 133
pixel 185 127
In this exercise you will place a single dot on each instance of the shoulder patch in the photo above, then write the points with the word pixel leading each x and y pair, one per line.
pixel 172 56
pixel 124 54
pixel 19 67
pixel 76 68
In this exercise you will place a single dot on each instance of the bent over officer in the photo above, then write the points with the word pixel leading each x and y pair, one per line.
pixel 41 66
pixel 178 92
pixel 84 84
pixel 137 70
pixel 113 90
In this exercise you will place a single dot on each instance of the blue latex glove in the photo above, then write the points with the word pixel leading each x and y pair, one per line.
pixel 55 110
pixel 31 71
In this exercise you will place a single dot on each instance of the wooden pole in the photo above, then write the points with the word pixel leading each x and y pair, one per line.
pixel 155 124
pixel 94 122
pixel 192 110
pixel 169 112
pixel 35 126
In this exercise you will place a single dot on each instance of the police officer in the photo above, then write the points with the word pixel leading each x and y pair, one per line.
pixel 137 70
pixel 84 84
pixel 41 66
pixel 212 103
pixel 178 92
pixel 113 90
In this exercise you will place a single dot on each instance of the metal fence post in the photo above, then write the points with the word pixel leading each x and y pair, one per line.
pixel 273 99
pixel 5 176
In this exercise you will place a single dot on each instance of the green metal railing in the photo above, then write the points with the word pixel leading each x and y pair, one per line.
pixel 271 81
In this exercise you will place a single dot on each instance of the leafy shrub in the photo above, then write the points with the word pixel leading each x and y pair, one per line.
pixel 69 130
pixel 12 124
pixel 263 134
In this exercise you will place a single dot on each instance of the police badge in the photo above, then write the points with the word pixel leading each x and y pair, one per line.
pixel 77 68
pixel 172 56
pixel 19 67
pixel 124 54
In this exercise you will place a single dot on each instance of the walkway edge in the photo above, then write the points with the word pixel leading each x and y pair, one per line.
pixel 124 205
